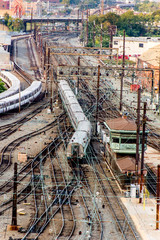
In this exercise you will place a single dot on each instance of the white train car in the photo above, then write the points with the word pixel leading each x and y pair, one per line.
pixel 78 143
pixel 13 83
pixel 26 96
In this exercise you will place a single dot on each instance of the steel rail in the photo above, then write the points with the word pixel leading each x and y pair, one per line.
pixel 116 200
pixel 95 204
pixel 36 162
pixel 61 130
pixel 12 127
pixel 46 210
pixel 27 136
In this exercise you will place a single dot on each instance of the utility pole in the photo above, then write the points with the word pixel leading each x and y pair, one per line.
pixel 101 34
pixel 159 87
pixel 122 74
pixel 111 41
pixel 138 130
pixel 97 107
pixel 19 99
pixel 152 86
pixel 87 28
pixel 45 47
pixel 94 33
pixel 77 22
pixel 82 29
pixel 102 7
pixel 41 46
pixel 47 24
pixel 142 154
pixel 51 81
pixel 31 18
pixel 41 25
pixel 158 198
pixel 48 62
pixel 14 208
pixel 78 75
pixel 34 32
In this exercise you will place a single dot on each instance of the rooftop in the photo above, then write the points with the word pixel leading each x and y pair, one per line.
pixel 127 164
pixel 151 56
pixel 121 124
pixel 139 39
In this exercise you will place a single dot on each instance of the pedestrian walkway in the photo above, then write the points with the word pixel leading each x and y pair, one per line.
pixel 143 216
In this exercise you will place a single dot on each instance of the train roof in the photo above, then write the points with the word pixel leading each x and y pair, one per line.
pixel 28 90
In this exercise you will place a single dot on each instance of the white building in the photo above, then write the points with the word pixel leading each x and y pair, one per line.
pixel 5 42
pixel 135 46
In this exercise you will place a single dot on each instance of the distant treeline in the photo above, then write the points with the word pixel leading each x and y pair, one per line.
pixel 135 25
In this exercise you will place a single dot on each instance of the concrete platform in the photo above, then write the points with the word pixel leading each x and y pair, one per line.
pixel 143 216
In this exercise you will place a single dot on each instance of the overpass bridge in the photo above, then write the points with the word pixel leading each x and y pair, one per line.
pixel 66 21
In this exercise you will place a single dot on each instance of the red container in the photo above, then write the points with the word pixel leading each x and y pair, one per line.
pixel 134 87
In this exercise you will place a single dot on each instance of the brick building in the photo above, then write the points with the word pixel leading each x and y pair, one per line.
pixel 150 59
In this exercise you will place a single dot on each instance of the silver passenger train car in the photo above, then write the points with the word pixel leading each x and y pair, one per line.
pixel 78 143
pixel 13 83
pixel 26 96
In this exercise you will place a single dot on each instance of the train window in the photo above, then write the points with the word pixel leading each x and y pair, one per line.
pixel 115 140
pixel 128 140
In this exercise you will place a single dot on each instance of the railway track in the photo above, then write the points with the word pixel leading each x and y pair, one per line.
pixel 62 192
pixel 111 194
pixel 33 64
pixel 8 129
pixel 8 149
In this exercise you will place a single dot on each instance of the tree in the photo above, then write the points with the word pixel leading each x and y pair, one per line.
pixel 132 24
pixel 6 17
pixel 18 25
pixel 2 87
pixel 13 24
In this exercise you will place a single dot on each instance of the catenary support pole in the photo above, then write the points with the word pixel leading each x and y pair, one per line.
pixel 158 197
pixel 31 18
pixel 122 74
pixel 152 86
pixel 138 130
pixel 142 155
pixel 97 103
pixel 111 43
pixel 14 208
pixel 101 35
pixel 78 75
pixel 87 29
pixel 48 61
